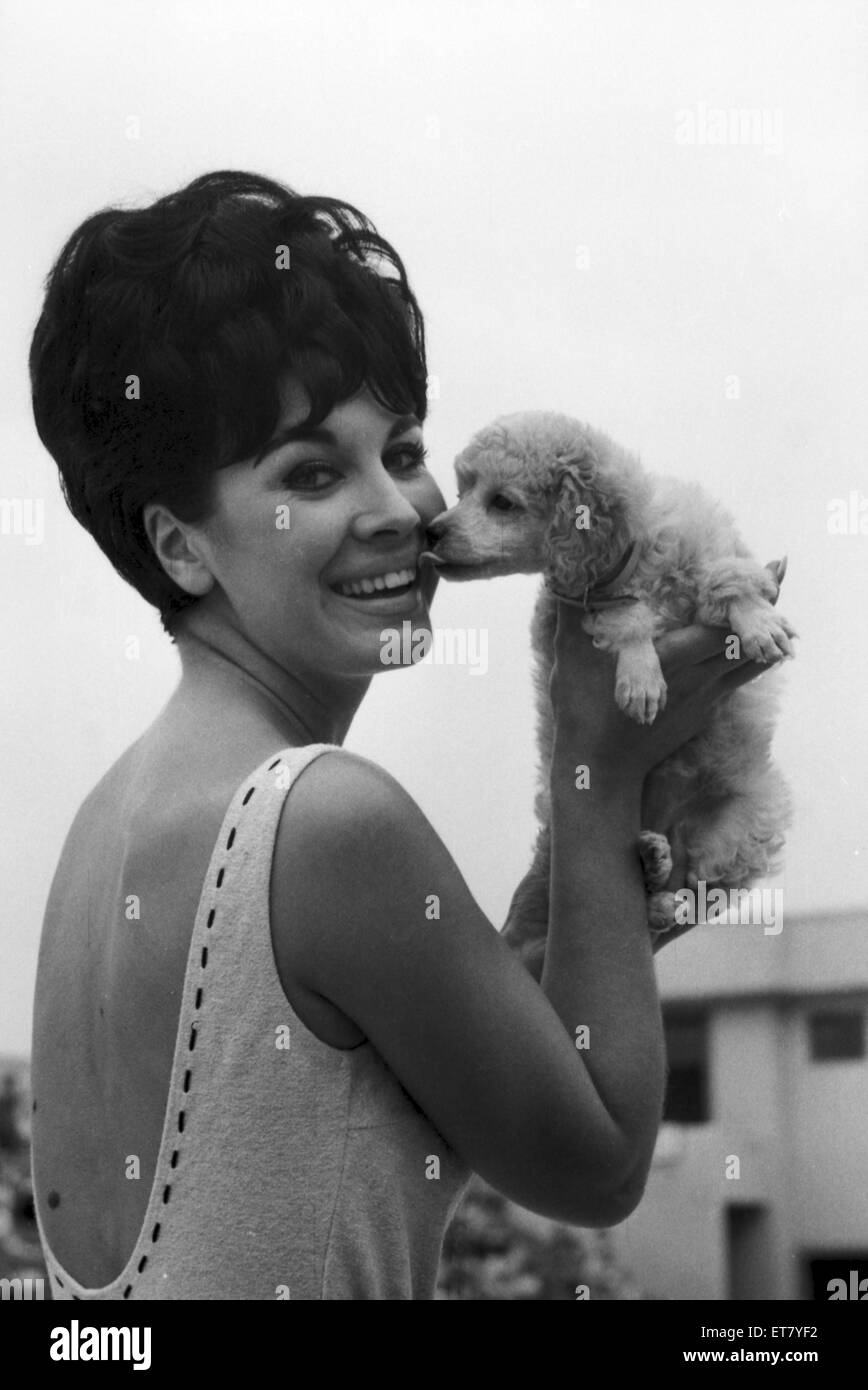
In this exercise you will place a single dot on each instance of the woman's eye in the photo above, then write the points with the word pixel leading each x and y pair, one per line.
pixel 316 477
pixel 409 456
pixel 305 477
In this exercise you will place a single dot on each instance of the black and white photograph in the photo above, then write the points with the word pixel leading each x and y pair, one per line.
pixel 433 552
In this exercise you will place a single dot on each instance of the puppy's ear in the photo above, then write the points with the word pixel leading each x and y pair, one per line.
pixel 586 526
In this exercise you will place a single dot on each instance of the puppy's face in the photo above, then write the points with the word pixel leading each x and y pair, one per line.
pixel 537 493
pixel 499 524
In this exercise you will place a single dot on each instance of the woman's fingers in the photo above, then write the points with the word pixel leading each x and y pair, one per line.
pixel 722 670
pixel 689 646
pixel 748 671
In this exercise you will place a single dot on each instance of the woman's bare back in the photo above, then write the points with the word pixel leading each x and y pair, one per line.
pixel 111 968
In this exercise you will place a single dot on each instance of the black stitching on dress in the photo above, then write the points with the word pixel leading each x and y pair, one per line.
pixel 176 1153
pixel 274 764
pixel 59 1280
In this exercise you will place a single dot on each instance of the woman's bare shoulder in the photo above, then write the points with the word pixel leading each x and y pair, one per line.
pixel 340 800
pixel 335 781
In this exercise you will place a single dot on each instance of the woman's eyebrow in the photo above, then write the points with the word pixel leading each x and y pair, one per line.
pixel 320 434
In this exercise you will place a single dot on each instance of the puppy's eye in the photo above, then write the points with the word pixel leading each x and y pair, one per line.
pixel 501 503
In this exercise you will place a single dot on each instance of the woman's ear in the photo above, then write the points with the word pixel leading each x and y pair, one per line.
pixel 176 549
pixel 585 528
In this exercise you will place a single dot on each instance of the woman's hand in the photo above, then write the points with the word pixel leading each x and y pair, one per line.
pixel 698 673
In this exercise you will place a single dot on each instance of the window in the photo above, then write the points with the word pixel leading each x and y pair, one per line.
pixel 750 1257
pixel 837 1035
pixel 686 1033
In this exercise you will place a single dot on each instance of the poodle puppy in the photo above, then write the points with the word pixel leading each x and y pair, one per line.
pixel 540 492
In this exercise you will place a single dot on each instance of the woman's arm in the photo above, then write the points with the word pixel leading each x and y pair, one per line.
pixel 370 911
pixel 598 972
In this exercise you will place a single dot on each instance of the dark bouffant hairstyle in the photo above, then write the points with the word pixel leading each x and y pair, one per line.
pixel 193 296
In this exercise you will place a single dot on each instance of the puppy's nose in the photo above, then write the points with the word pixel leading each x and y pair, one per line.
pixel 435 529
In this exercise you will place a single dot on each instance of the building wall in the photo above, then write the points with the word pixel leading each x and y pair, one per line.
pixel 798 1127
pixel 675 1244
pixel 808 955
pixel 828 1119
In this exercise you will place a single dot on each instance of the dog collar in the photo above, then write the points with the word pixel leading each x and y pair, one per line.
pixel 606 593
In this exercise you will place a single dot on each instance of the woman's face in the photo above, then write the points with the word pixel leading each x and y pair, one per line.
pixel 342 506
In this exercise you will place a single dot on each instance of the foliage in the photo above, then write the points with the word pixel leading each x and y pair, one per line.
pixel 494 1249
pixel 20 1254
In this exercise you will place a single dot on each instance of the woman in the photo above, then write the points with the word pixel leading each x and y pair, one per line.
pixel 274 1033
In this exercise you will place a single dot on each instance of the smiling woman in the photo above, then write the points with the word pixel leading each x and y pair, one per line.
pixel 274 1034
pixel 190 299
pixel 311 596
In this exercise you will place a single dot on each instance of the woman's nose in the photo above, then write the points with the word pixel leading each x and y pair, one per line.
pixel 385 507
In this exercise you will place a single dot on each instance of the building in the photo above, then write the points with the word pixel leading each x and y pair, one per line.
pixel 759 1186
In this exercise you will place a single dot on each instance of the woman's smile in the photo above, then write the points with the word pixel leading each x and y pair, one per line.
pixel 398 590
pixel 405 601
pixel 371 584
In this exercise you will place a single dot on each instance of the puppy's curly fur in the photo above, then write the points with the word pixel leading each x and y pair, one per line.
pixel 541 492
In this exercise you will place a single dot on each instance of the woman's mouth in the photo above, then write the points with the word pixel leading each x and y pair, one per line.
pixel 393 582
pixel 395 591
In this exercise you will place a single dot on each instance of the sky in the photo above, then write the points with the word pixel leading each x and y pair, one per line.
pixel 653 218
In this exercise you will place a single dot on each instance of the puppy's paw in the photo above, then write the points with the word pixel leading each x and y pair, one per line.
pixel 656 857
pixel 764 636
pixel 661 912
pixel 642 698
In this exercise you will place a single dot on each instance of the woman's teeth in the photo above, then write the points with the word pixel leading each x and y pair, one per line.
pixel 395 579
